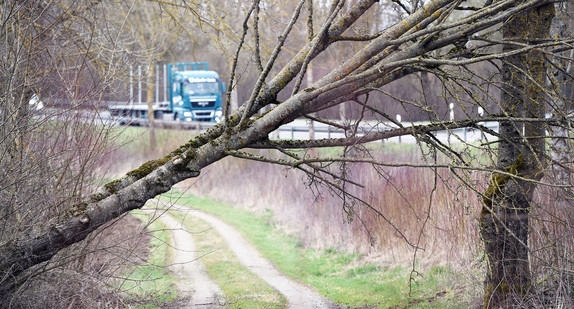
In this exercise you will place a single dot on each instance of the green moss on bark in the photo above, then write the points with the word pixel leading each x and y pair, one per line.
pixel 498 181
pixel 146 168
pixel 111 187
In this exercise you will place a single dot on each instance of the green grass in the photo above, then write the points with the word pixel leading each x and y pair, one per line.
pixel 343 278
pixel 242 288
pixel 151 282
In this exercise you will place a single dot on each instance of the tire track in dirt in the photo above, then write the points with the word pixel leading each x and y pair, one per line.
pixel 190 274
pixel 298 295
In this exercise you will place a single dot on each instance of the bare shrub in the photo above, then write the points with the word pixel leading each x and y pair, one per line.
pixel 82 276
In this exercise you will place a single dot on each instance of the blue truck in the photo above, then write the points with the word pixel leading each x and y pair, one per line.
pixel 195 94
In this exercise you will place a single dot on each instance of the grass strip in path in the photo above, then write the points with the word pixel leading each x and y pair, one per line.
pixel 242 288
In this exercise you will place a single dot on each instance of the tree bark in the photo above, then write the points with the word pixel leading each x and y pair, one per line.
pixel 508 199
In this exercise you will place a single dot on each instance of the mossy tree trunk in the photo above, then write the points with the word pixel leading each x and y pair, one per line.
pixel 508 200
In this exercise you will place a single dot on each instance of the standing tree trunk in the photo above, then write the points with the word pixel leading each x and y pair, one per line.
pixel 508 199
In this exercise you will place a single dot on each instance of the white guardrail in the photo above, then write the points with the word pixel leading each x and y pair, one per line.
pixel 298 129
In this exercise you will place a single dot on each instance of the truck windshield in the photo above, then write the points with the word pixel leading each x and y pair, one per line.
pixel 200 88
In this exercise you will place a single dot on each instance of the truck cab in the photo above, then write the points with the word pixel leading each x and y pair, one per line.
pixel 195 92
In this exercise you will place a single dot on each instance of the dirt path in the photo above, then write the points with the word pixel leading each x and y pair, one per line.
pixel 297 294
pixel 190 273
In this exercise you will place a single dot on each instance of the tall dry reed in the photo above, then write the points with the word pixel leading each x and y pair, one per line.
pixel 407 208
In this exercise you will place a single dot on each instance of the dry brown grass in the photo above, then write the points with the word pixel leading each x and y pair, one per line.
pixel 400 215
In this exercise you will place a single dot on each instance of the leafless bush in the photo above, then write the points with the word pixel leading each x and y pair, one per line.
pixel 63 288
pixel 82 276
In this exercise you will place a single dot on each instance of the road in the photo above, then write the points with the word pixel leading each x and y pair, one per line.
pixel 204 292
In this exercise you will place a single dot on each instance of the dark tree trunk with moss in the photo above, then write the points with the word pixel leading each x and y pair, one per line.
pixel 508 200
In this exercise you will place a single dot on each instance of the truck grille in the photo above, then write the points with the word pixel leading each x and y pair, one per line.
pixel 200 104
pixel 206 114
